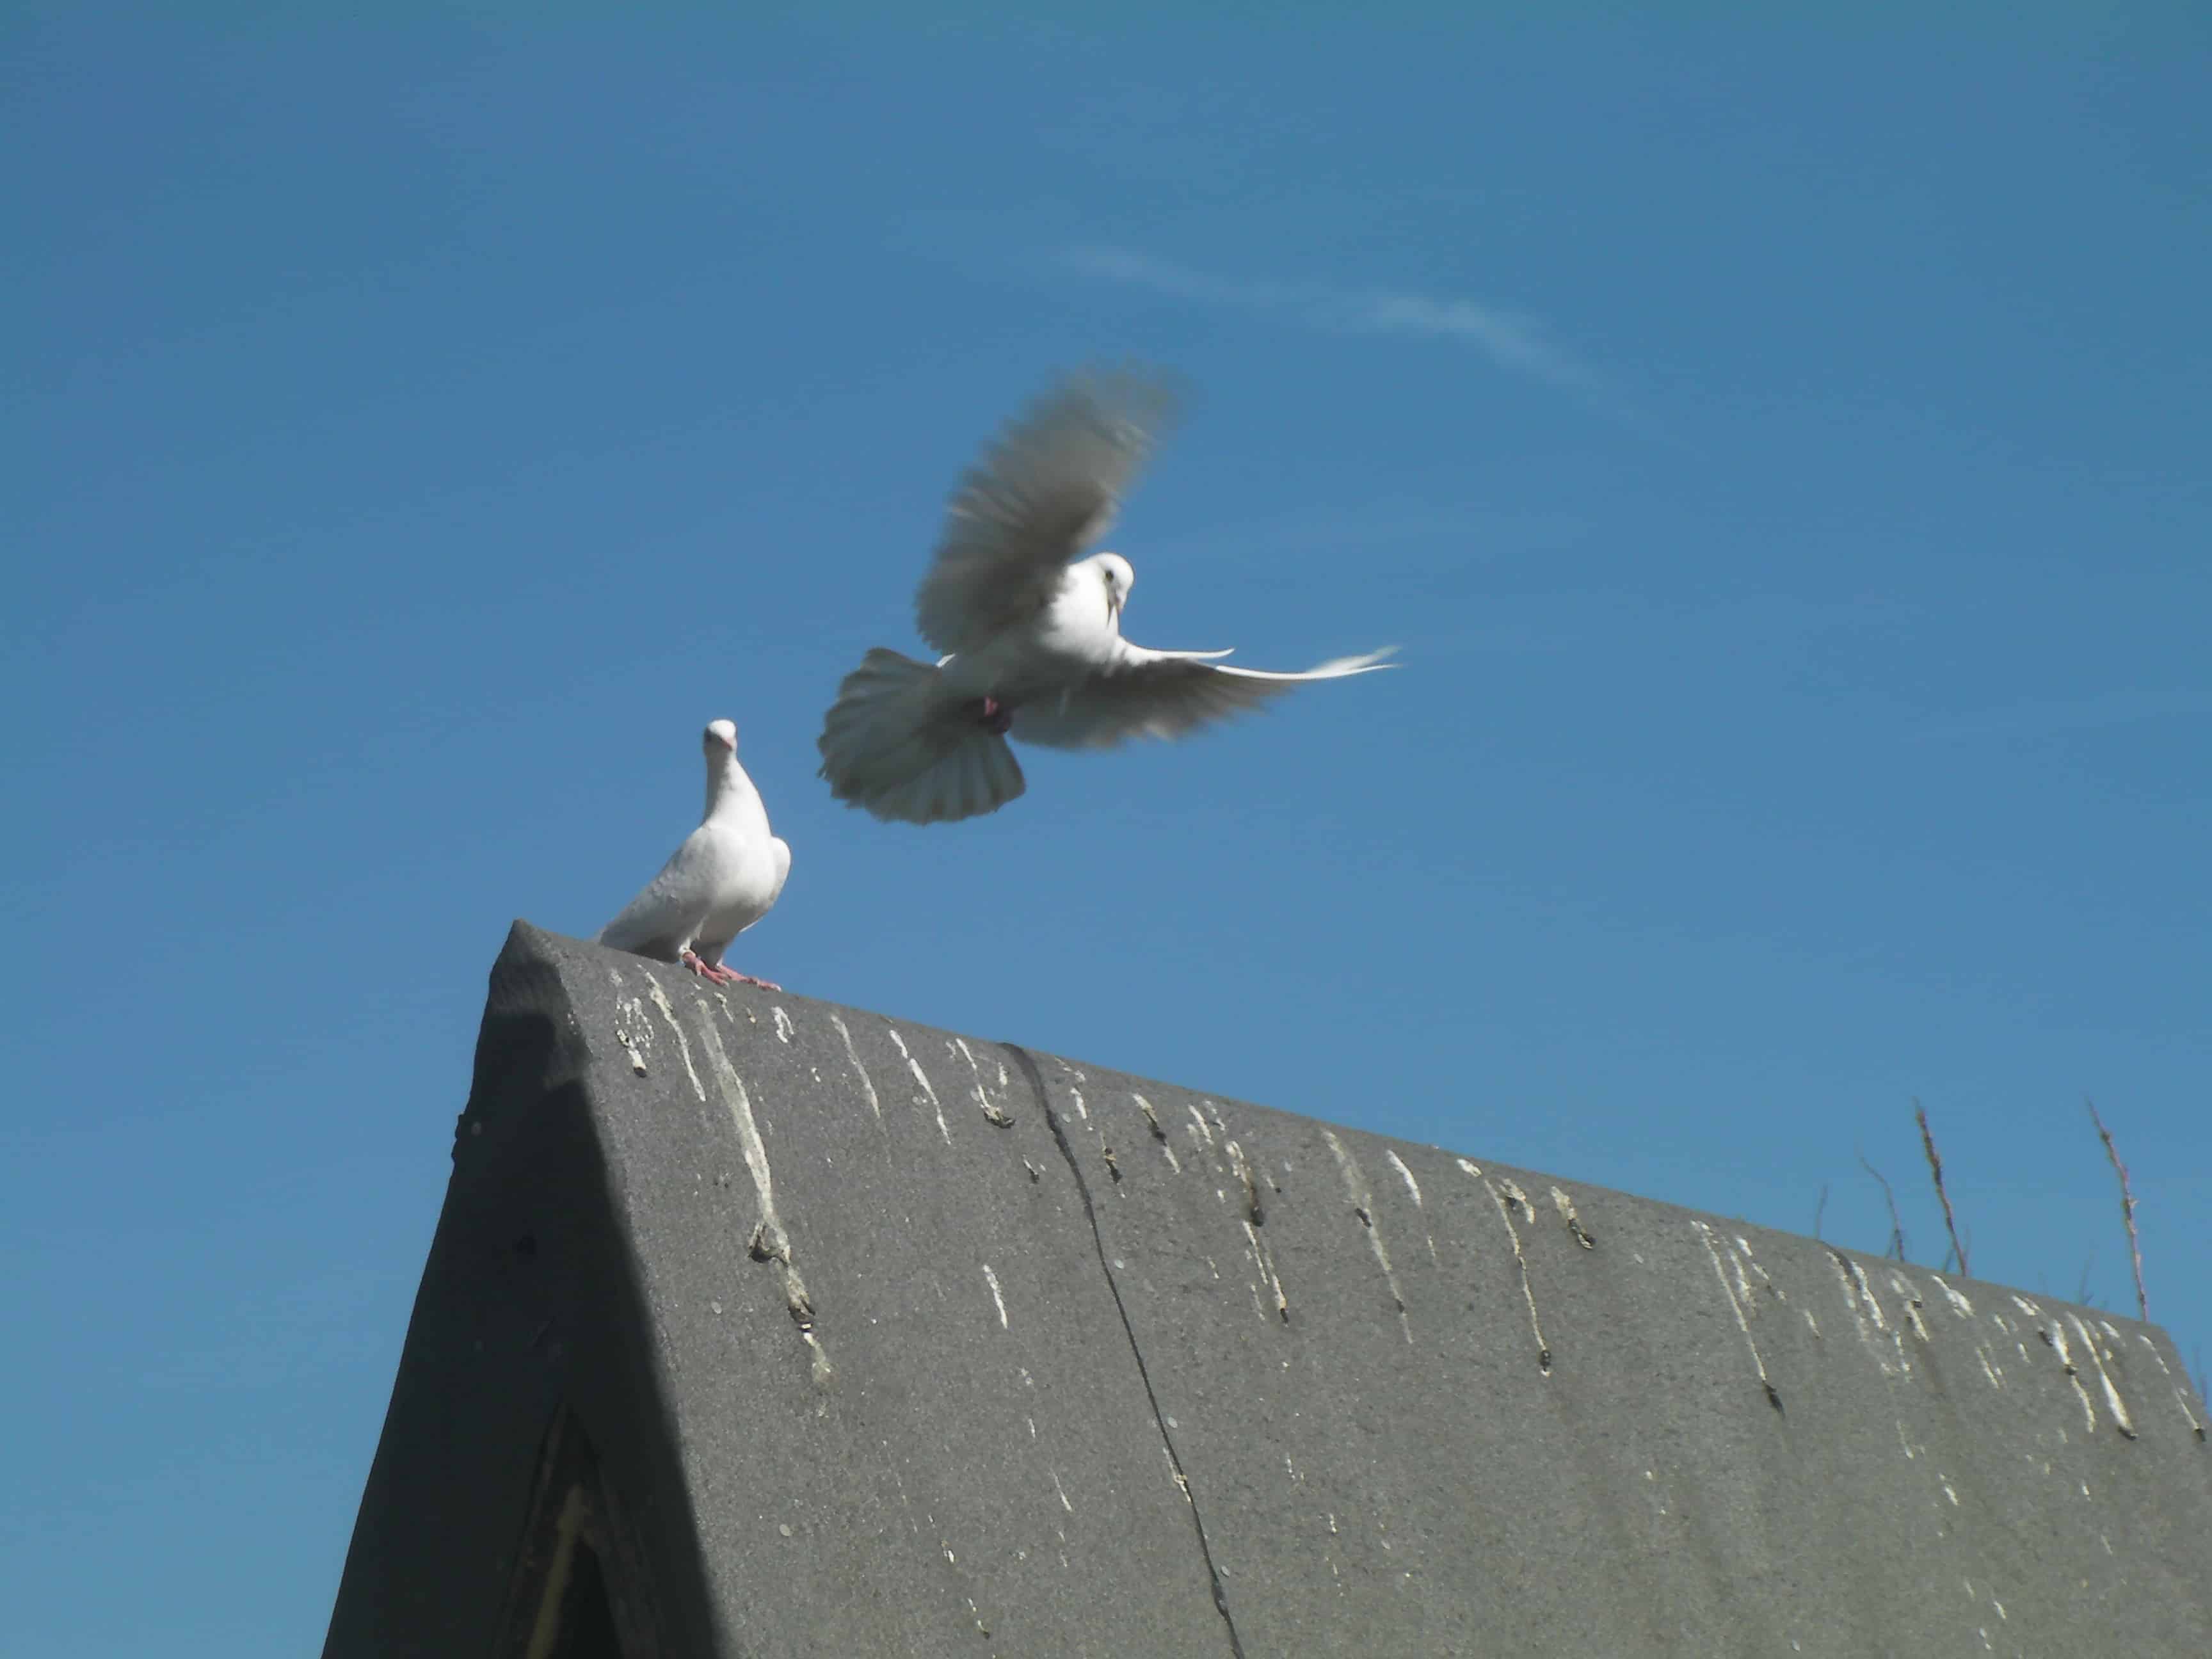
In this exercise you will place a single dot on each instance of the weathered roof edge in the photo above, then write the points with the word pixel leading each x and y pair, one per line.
pixel 1541 1412
pixel 468 1432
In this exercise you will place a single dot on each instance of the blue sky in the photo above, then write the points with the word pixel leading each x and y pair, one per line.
pixel 1779 448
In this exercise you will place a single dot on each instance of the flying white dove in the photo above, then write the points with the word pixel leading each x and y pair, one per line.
pixel 724 876
pixel 1033 643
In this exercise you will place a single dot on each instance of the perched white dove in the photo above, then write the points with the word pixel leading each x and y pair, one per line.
pixel 1033 643
pixel 724 876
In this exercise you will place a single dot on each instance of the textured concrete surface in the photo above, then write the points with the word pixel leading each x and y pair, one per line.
pixel 893 1341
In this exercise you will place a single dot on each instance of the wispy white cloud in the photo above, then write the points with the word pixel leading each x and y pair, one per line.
pixel 1510 339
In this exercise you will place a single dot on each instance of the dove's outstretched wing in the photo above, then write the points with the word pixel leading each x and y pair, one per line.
pixel 1046 489
pixel 1163 693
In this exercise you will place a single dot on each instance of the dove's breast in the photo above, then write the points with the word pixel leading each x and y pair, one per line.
pixel 1064 643
pixel 743 876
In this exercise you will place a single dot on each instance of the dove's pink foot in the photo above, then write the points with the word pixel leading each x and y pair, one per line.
pixel 998 718
pixel 721 975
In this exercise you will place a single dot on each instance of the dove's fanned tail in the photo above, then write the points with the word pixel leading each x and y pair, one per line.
pixel 979 775
pixel 894 744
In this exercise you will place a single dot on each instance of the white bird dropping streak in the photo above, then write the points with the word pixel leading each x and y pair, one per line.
pixel 1363 1205
pixel 1413 1188
pixel 930 1094
pixel 770 1242
pixel 1743 1306
pixel 1031 643
pixel 683 1043
pixel 858 1069
pixel 1473 1172
pixel 997 1300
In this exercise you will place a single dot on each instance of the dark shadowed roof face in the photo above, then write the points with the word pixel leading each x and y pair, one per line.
pixel 955 1348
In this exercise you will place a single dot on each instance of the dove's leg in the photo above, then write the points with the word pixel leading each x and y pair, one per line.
pixel 722 975
pixel 998 718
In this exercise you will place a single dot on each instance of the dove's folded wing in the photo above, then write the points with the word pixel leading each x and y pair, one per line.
pixel 1163 693
pixel 1046 489
pixel 666 917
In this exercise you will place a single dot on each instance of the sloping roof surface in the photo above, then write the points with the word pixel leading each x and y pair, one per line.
pixel 893 1341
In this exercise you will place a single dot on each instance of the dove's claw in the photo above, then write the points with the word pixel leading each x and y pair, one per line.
pixel 721 975
pixel 997 717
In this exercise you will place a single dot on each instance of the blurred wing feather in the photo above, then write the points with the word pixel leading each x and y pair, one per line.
pixel 1046 488
pixel 1163 694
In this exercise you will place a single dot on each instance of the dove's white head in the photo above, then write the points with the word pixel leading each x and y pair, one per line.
pixel 727 785
pixel 1115 571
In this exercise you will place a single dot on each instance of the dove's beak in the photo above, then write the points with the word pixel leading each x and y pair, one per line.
pixel 1114 610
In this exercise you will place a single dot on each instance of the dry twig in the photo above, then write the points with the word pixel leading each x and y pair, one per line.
pixel 1896 1227
pixel 1935 1169
pixel 2127 1205
pixel 2082 1293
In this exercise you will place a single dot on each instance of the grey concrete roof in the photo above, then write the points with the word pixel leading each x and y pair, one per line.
pixel 888 1340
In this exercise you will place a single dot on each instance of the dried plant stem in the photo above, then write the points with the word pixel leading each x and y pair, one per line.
pixel 1935 1169
pixel 2127 1205
pixel 1896 1226
pixel 1819 1209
